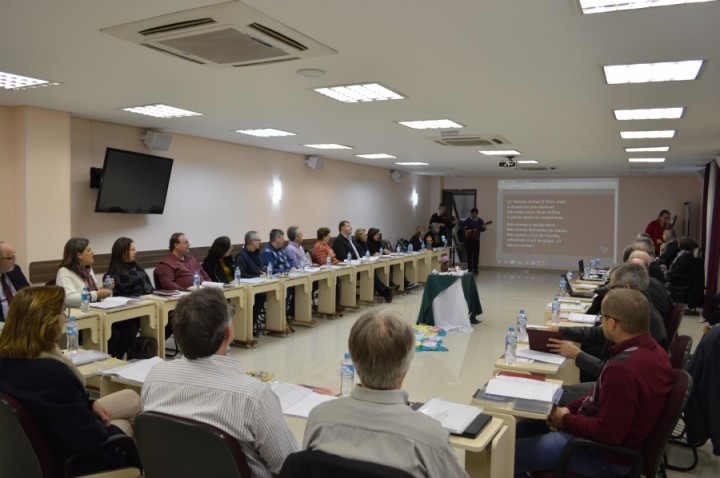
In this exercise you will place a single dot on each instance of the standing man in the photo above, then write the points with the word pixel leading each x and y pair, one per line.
pixel 622 409
pixel 656 229
pixel 11 276
pixel 473 227
pixel 207 385
pixel 375 423
pixel 175 271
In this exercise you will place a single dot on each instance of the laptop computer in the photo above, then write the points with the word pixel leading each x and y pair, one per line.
pixel 578 294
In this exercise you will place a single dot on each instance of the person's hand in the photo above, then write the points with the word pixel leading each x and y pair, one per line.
pixel 563 347
pixel 554 421
pixel 103 293
pixel 102 413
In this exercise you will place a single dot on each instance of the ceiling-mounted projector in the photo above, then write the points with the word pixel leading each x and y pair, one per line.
pixel 508 162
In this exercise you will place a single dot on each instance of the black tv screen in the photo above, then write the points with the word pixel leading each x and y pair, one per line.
pixel 133 183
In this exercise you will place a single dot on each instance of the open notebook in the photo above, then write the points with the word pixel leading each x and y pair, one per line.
pixel 134 371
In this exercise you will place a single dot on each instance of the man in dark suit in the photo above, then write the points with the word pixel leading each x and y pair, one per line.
pixel 343 245
pixel 12 278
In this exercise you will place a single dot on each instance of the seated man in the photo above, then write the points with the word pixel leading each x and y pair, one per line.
pixel 295 249
pixel 375 423
pixel 250 263
pixel 277 258
pixel 344 245
pixel 207 385
pixel 623 407
pixel 11 276
pixel 175 271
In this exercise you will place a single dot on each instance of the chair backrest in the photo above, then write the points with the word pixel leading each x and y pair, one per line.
pixel 23 449
pixel 185 448
pixel 673 322
pixel 680 351
pixel 657 440
pixel 156 279
pixel 312 463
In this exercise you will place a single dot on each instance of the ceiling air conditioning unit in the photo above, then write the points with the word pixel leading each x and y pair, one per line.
pixel 225 35
pixel 474 141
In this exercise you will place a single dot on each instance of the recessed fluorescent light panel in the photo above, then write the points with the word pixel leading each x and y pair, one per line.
pixel 376 156
pixel 604 6
pixel 264 133
pixel 652 72
pixel 328 146
pixel 648 114
pixel 504 152
pixel 412 163
pixel 670 133
pixel 161 111
pixel 431 124
pixel 360 93
pixel 646 160
pixel 650 149
pixel 526 161
pixel 10 81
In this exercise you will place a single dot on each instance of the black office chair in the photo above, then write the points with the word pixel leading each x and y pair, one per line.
pixel 24 451
pixel 313 463
pixel 679 351
pixel 184 448
pixel 672 324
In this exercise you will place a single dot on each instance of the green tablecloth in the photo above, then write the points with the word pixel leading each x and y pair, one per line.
pixel 437 283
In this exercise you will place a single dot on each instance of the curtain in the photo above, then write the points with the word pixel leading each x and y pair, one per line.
pixel 711 232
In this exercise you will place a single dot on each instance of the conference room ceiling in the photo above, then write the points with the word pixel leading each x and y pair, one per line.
pixel 528 71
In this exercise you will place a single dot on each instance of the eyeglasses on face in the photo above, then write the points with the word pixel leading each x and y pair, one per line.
pixel 10 258
pixel 66 311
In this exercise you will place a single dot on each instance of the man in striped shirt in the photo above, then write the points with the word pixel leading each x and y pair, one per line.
pixel 208 386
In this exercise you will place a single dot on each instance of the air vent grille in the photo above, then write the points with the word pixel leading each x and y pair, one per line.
pixel 224 47
pixel 173 27
pixel 278 36
pixel 474 141
pixel 153 47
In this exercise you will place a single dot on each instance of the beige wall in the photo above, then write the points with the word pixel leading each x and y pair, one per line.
pixel 640 200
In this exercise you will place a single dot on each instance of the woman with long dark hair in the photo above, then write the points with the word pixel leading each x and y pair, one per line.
pixel 219 263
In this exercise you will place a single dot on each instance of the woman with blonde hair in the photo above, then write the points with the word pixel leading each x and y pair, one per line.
pixel 34 372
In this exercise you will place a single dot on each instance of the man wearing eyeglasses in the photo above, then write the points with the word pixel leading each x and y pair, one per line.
pixel 11 277
pixel 622 408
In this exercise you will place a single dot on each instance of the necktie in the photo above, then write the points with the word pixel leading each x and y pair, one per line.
pixel 7 290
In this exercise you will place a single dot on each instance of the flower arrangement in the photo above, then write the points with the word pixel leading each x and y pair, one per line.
pixel 444 259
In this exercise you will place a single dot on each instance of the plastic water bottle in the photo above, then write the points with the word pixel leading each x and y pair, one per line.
pixel 72 336
pixel 586 272
pixel 522 326
pixel 563 285
pixel 348 259
pixel 555 319
pixel 85 301
pixel 444 241
pixel 269 270
pixel 510 346
pixel 347 376
pixel 328 262
pixel 570 276
pixel 422 246
pixel 109 285
pixel 367 255
pixel 196 281
pixel 410 248
pixel 397 249
pixel 238 275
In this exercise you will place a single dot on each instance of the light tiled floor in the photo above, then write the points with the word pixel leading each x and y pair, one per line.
pixel 312 355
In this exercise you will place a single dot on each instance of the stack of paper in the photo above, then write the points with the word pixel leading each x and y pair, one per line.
pixel 88 356
pixel 135 371
pixel 454 417
pixel 524 388
pixel 113 302
pixel 540 356
pixel 582 318
pixel 216 285
pixel 298 400
pixel 253 280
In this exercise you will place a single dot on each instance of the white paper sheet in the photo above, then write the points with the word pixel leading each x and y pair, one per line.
pixel 525 388
pixel 135 371
pixel 454 417
pixel 541 356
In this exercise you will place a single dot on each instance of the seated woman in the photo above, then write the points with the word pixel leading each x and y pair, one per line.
pixel 76 273
pixel 360 241
pixel 373 243
pixel 416 241
pixel 129 280
pixel 219 263
pixel 321 249
pixel 35 373
pixel 432 236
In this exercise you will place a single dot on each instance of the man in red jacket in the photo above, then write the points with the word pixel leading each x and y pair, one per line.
pixel 656 229
pixel 622 409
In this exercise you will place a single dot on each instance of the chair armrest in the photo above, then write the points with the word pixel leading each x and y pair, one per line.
pixel 124 442
pixel 577 443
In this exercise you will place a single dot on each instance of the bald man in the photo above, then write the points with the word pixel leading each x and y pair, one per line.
pixel 12 278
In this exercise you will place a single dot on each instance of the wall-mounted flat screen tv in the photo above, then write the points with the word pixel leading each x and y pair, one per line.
pixel 134 183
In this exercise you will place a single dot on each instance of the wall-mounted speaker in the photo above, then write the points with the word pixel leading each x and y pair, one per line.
pixel 314 162
pixel 95 178
pixel 396 176
pixel 156 141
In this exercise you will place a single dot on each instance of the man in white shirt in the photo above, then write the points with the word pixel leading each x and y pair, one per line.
pixel 207 385
pixel 294 247
pixel 12 278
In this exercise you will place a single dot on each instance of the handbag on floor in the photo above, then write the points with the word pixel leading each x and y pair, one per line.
pixel 143 348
